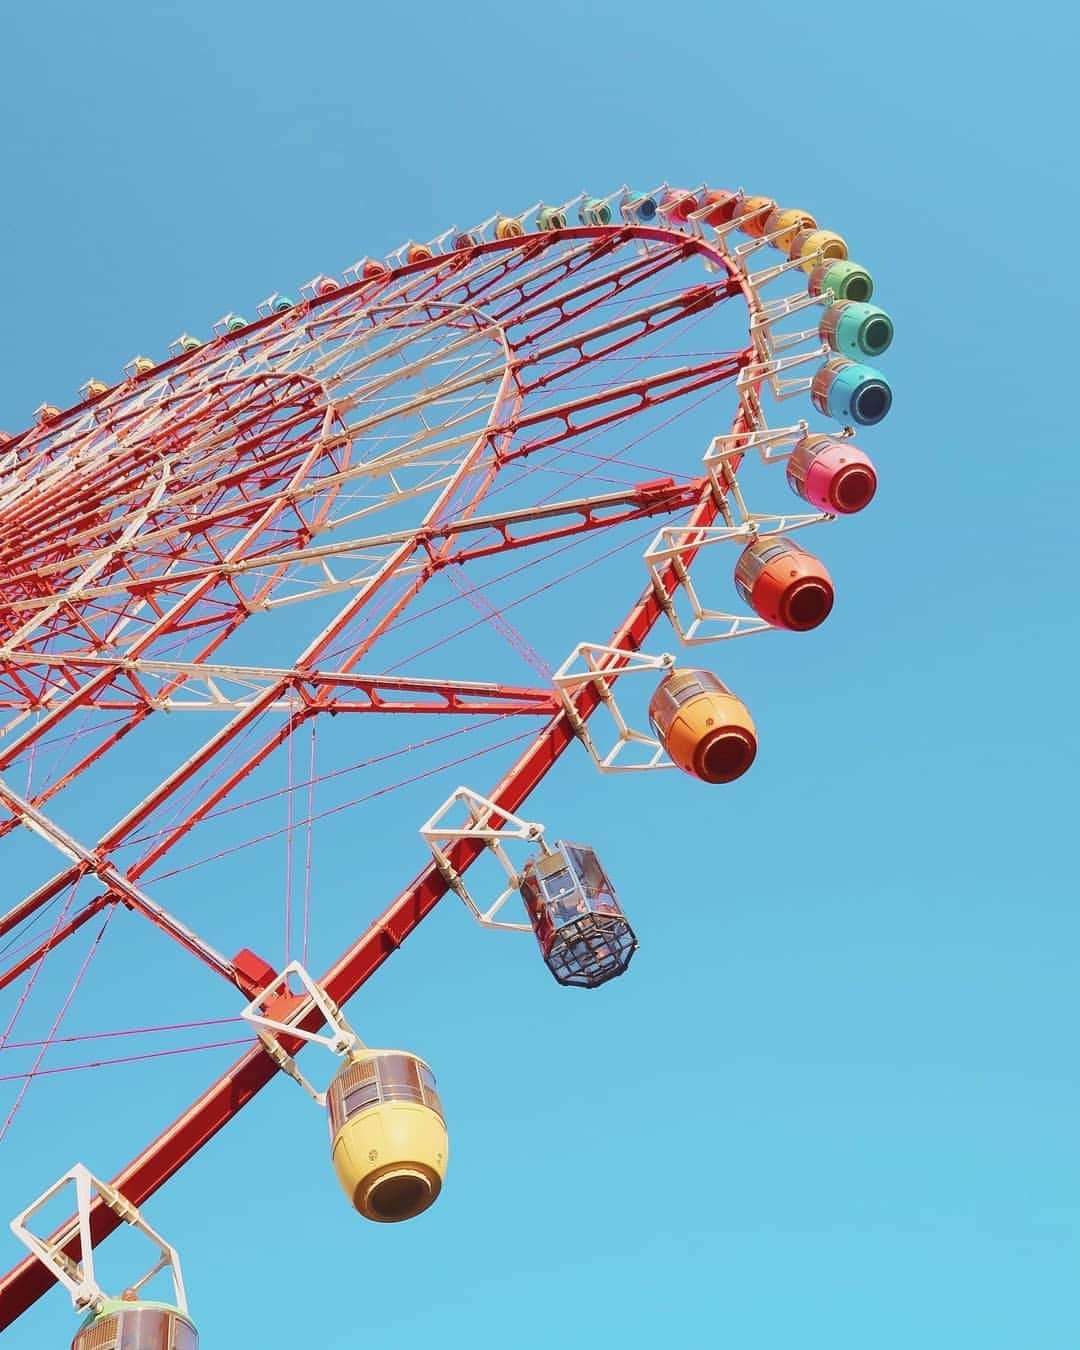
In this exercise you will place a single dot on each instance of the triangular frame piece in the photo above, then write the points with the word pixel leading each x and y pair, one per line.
pixel 600 665
pixel 435 832
pixel 77 1276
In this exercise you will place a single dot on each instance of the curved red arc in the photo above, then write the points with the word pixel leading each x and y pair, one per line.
pixel 179 1143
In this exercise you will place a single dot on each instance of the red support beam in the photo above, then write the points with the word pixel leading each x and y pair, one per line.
pixel 44 948
pixel 238 1086
pixel 249 1075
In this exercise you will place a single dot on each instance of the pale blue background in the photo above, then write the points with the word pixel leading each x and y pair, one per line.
pixel 867 1039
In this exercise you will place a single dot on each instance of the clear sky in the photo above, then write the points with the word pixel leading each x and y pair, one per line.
pixel 835 1102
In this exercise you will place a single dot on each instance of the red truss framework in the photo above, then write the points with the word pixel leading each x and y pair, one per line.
pixel 289 462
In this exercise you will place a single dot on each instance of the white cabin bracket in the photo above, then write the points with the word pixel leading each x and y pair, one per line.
pixel 770 312
pixel 591 663
pixel 771 444
pixel 276 303
pixel 776 373
pixel 275 1011
pixel 77 1276
pixel 494 826
pixel 673 547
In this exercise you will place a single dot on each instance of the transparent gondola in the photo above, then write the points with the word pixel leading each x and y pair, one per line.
pixel 573 912
pixel 583 934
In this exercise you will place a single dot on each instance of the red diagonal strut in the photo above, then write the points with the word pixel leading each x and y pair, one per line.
pixel 178 1144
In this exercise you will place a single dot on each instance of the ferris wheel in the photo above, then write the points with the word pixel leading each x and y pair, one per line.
pixel 363 548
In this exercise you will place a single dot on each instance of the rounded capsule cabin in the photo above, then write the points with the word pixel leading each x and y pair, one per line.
pixel 508 227
pixel 835 476
pixel 551 218
pixel 639 207
pixel 418 253
pixel 678 205
pixel 705 729
pixel 784 584
pixel 785 223
pixel 721 206
pixel 583 934
pixel 595 211
pixel 847 280
pixel 388 1139
pixel 809 247
pixel 855 329
pixel 851 392
pixel 136 1324
pixel 752 214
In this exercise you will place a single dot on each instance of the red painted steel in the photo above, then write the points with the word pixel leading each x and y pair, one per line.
pixel 166 1155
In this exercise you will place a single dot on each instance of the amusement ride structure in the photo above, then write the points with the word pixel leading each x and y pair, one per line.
pixel 348 506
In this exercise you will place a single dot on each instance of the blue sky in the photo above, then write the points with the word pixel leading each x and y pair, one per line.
pixel 836 1096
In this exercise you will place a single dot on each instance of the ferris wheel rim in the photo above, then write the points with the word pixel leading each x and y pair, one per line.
pixel 253 1070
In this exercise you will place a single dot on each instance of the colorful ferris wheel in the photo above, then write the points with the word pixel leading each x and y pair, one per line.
pixel 359 553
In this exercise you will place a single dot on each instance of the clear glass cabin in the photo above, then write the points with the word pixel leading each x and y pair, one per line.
pixel 582 931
